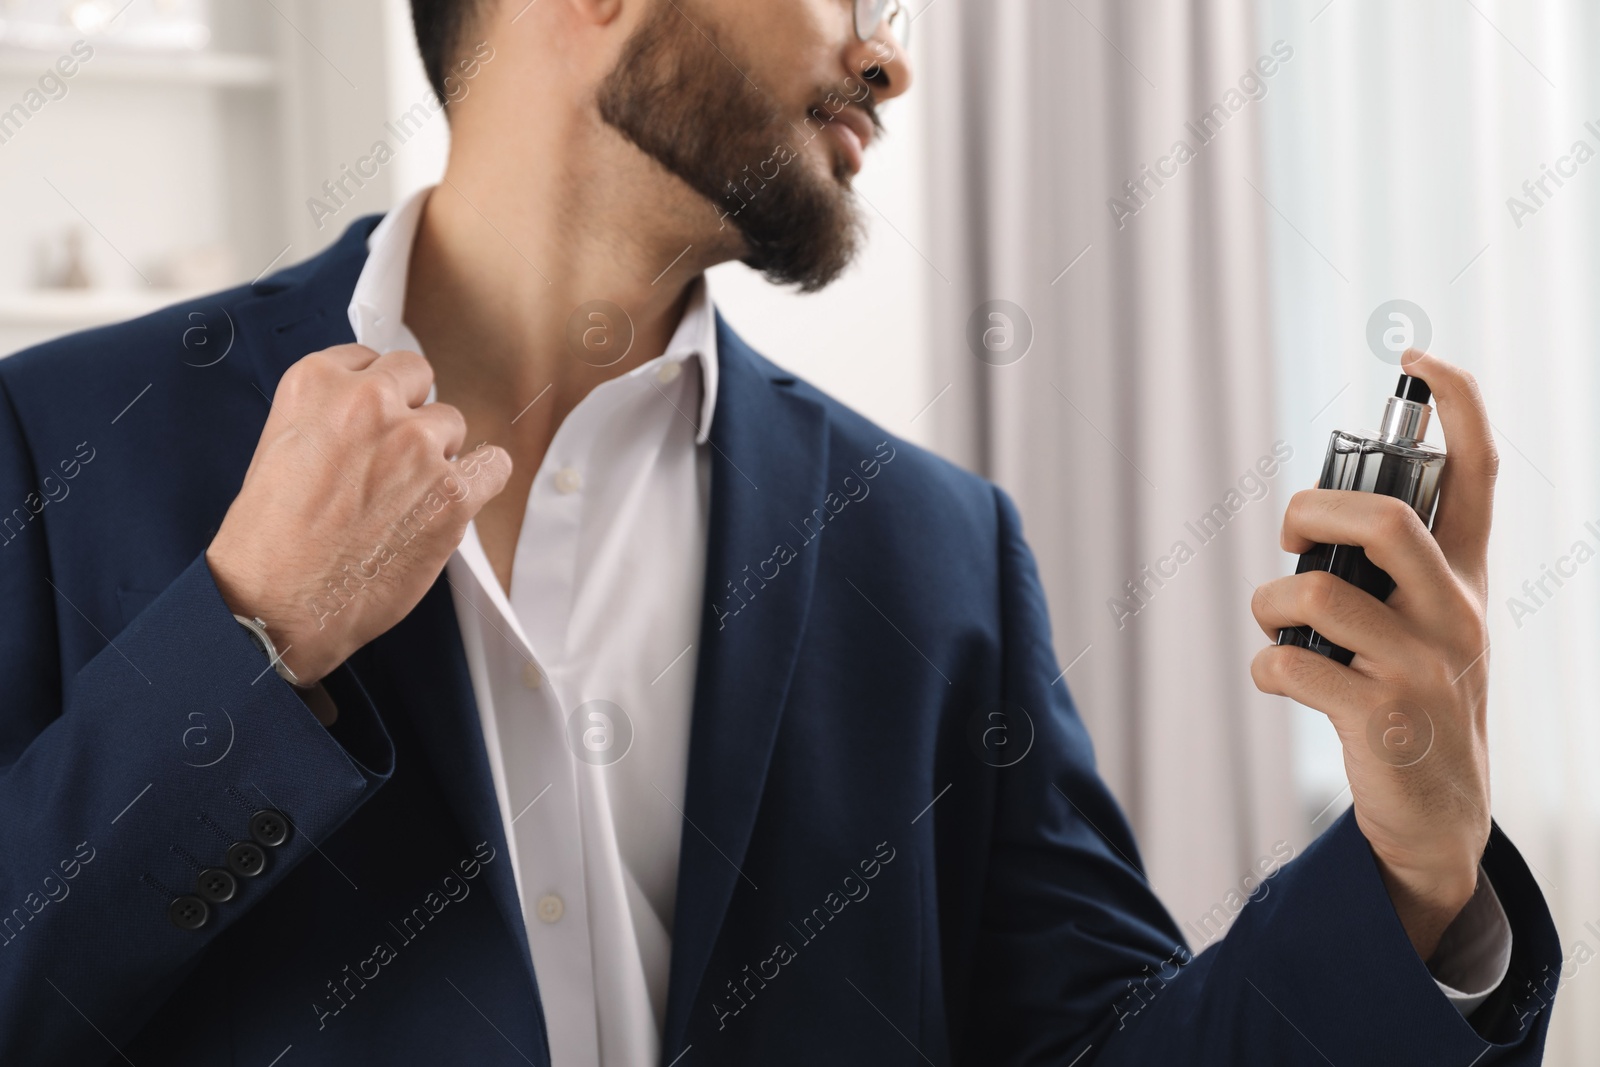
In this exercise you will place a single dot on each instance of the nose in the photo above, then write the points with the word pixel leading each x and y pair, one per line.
pixel 882 62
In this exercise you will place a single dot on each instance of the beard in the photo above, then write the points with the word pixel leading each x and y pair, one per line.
pixel 688 108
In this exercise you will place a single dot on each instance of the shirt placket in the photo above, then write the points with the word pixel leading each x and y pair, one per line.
pixel 544 578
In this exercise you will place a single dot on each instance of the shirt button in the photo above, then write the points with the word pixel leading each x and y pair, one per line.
pixel 550 908
pixel 669 372
pixel 531 678
pixel 568 480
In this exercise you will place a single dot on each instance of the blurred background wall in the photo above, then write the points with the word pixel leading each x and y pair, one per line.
pixel 1119 359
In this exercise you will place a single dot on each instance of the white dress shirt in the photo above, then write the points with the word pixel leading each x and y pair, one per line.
pixel 605 605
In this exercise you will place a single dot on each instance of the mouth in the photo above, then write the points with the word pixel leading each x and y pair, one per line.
pixel 852 130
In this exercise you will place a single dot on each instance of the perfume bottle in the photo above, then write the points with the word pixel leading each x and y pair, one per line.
pixel 1395 462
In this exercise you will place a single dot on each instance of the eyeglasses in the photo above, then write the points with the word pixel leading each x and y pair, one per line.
pixel 870 14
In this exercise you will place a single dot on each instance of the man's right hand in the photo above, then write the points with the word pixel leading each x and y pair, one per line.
pixel 351 504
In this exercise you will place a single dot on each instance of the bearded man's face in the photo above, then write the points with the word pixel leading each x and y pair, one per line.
pixel 771 145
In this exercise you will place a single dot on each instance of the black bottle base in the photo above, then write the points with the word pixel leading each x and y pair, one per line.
pixel 1350 563
pixel 1306 637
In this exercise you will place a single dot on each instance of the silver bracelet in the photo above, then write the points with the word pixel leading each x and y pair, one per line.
pixel 258 633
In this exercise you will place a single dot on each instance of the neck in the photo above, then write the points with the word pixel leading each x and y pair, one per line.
pixel 506 253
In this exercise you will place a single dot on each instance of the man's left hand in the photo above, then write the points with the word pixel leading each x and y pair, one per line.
pixel 1411 709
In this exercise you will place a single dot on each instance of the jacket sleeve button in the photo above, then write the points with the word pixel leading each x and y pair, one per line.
pixel 217 885
pixel 246 859
pixel 188 913
pixel 269 828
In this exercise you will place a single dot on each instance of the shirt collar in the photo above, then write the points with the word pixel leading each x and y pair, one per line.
pixel 377 307
pixel 696 337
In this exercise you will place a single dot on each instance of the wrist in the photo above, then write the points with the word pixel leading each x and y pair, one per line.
pixel 305 660
pixel 1427 902
pixel 308 654
pixel 311 693
pixel 256 628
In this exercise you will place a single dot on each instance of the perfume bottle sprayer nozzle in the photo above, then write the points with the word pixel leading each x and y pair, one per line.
pixel 1405 417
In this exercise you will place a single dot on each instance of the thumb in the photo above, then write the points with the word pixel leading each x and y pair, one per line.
pixel 485 471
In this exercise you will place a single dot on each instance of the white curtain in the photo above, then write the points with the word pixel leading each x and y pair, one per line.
pixel 1145 402
pixel 1397 154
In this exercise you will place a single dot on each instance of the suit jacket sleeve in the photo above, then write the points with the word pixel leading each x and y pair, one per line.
pixel 1077 957
pixel 119 783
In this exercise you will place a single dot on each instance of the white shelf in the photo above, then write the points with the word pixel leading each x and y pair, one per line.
pixel 223 69
pixel 72 309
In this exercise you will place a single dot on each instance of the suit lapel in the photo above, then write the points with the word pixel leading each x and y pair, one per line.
pixel 421 660
pixel 769 464
pixel 303 309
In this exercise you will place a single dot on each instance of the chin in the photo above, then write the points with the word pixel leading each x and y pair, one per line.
pixel 830 163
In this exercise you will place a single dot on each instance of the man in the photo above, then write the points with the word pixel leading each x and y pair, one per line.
pixel 593 691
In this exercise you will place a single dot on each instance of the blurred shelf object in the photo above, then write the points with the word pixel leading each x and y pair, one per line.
pixel 153 24
pixel 190 164
pixel 224 69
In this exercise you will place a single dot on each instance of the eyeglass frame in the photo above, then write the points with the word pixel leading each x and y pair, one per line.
pixel 894 12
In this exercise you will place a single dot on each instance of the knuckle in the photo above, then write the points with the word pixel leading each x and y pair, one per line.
pixel 1284 670
pixel 291 388
pixel 1259 603
pixel 366 402
pixel 385 376
pixel 1395 519
pixel 1303 501
pixel 1305 674
pixel 1296 515
pixel 442 479
pixel 1465 605
pixel 1469 621
pixel 303 367
pixel 402 362
pixel 301 378
pixel 1491 458
pixel 1264 670
pixel 414 439
pixel 1320 594
pixel 424 369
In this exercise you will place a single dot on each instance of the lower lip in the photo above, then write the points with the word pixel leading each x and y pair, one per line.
pixel 850 143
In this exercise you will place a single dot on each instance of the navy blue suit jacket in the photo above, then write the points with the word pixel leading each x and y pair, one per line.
pixel 861 882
